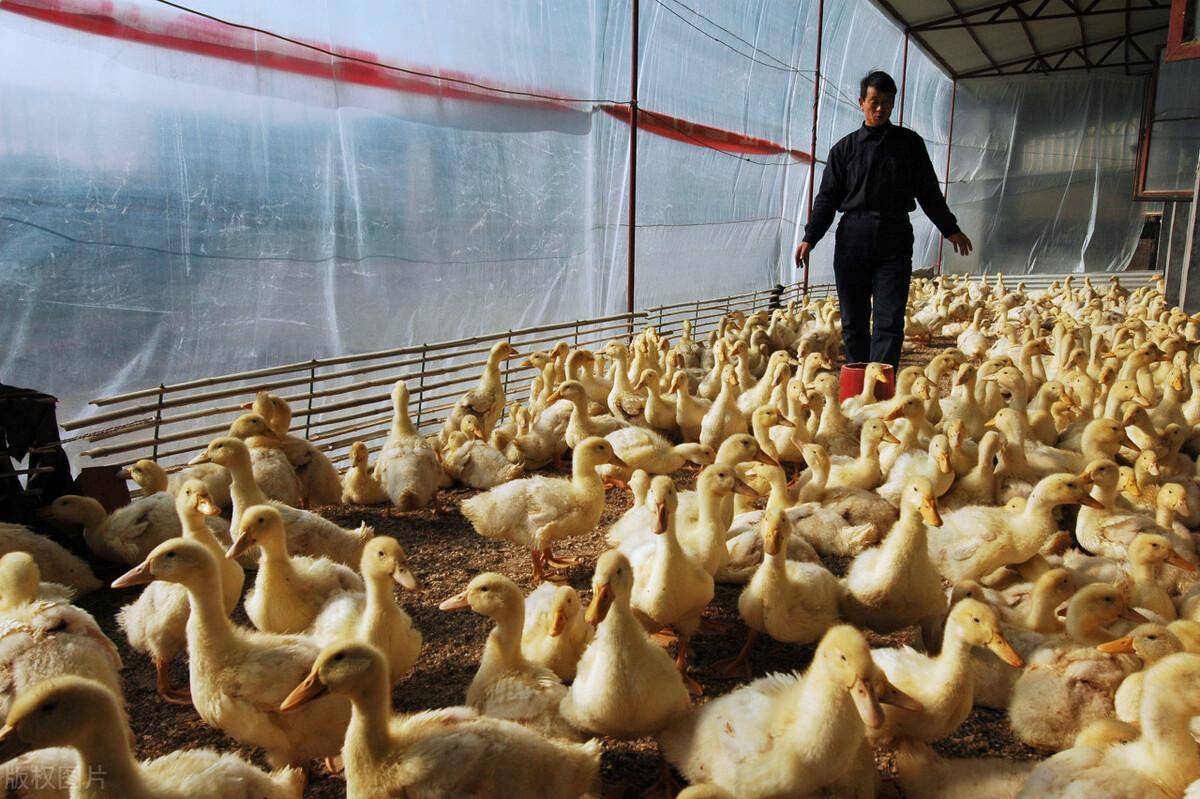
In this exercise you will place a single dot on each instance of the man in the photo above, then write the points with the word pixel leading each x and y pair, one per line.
pixel 872 176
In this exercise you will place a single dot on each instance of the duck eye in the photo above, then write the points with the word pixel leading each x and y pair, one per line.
pixel 49 707
pixel 339 656
pixel 974 619
pixel 170 554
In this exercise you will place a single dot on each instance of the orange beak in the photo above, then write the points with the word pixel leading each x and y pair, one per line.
pixel 1119 646
pixel 305 692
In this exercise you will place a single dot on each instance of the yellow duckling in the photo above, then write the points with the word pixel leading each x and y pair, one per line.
pixel 626 685
pixel 273 471
pixel 289 591
pixel 537 511
pixel 486 400
pixel 239 676
pixel 1150 643
pixel 153 478
pixel 359 485
pixel 408 466
pixel 863 472
pixel 943 684
pixel 451 751
pixel 791 735
pixel 790 601
pixel 508 686
pixel 555 633
pixel 85 716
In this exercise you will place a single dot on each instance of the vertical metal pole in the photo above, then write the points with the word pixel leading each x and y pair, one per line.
pixel 812 168
pixel 946 184
pixel 312 379
pixel 158 420
pixel 421 386
pixel 633 138
pixel 903 77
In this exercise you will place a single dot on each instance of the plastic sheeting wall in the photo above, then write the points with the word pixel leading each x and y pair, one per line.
pixel 180 198
pixel 1042 172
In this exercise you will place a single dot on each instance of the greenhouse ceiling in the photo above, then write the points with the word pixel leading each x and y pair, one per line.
pixel 983 38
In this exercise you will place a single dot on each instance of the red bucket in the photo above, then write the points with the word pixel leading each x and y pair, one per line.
pixel 853 375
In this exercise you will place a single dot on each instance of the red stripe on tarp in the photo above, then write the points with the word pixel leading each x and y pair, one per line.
pixel 703 135
pixel 208 38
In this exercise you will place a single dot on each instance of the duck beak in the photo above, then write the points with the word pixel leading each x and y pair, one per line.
pixel 601 601
pixel 929 512
pixel 1129 614
pixel 785 422
pixel 763 457
pixel 240 544
pixel 746 490
pixel 1138 399
pixel 138 575
pixel 207 508
pixel 944 465
pixel 405 578
pixel 896 698
pixel 660 519
pixel 1088 501
pixel 456 602
pixel 11 745
pixel 553 398
pixel 773 541
pixel 125 474
pixel 990 423
pixel 512 354
pixel 867 704
pixel 1153 469
pixel 1183 507
pixel 1126 441
pixel 558 624
pixel 615 460
pixel 1117 647
pixel 1178 561
pixel 889 438
pixel 1003 649
pixel 312 688
pixel 894 414
pixel 201 458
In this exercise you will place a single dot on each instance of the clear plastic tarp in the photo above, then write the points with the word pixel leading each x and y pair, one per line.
pixel 188 194
pixel 1174 127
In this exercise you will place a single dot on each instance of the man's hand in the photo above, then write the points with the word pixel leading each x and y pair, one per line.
pixel 802 253
pixel 962 244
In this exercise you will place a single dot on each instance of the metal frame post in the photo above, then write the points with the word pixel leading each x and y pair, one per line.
pixel 946 182
pixel 633 137
pixel 312 382
pixel 903 77
pixel 162 389
pixel 812 166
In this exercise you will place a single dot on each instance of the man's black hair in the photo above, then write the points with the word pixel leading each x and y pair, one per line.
pixel 878 80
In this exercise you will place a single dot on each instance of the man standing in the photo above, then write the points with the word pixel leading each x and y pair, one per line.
pixel 872 176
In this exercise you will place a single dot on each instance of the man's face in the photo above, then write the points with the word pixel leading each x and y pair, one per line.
pixel 877 106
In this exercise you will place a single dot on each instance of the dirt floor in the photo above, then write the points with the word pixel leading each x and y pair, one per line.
pixel 446 553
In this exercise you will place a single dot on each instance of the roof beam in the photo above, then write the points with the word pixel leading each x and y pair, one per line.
pixel 890 10
pixel 1083 52
pixel 996 12
pixel 971 32
pixel 999 68
pixel 1029 35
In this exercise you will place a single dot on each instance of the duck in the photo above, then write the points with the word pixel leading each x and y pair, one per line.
pixel 359 485
pixel 979 485
pixel 660 410
pixel 583 424
pixel 923 774
pixel 690 410
pixel 723 418
pixel 790 601
pixel 555 632
pixel 975 540
pixel 934 465
pixel 42 635
pixel 374 616
pixel 896 584
pixel 506 685
pixel 85 716
pixel 649 451
pixel 320 483
pixel 1068 683
pixel 451 751
pixel 873 375
pixel 289 591
pixel 855 506
pixel 239 676
pixel 1150 643
pixel 537 511
pixel 129 532
pixel 273 471
pixel 863 472
pixel 670 589
pixel 624 403
pixel 152 478
pixel 1162 762
pixel 476 463
pixel 408 466
pixel 156 623
pixel 943 684
pixel 790 734
pixel 54 561
pixel 485 401
pixel 626 686
pixel 307 533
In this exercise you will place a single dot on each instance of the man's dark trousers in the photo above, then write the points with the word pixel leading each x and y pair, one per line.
pixel 872 258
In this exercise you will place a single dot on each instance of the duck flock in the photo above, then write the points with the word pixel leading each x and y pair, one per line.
pixel 1022 509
